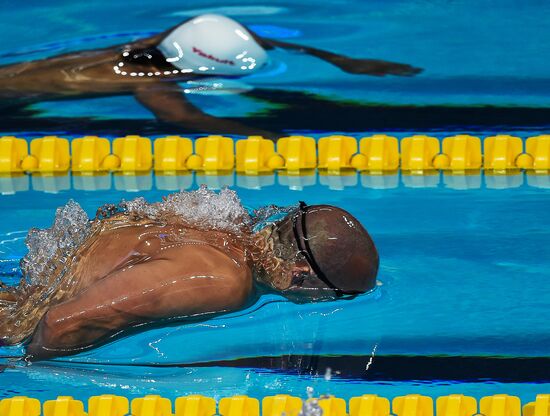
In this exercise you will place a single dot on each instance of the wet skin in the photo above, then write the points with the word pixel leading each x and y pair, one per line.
pixel 91 74
pixel 133 271
pixel 139 274
pixel 144 272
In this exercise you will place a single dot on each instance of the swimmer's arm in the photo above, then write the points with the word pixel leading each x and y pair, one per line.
pixel 373 67
pixel 168 103
pixel 143 294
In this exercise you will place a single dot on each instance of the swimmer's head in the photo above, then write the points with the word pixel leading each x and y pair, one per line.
pixel 318 252
pixel 213 44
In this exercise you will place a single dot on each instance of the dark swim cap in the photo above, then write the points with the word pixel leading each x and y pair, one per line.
pixel 338 248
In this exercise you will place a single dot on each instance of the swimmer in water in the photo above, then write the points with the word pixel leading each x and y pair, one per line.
pixel 135 269
pixel 150 69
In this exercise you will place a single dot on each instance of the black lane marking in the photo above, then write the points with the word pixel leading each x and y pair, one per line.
pixel 300 111
pixel 382 368
pixel 400 368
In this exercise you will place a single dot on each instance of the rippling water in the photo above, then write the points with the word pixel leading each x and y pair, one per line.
pixel 473 54
pixel 463 273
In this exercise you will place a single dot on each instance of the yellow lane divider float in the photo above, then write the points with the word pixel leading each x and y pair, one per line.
pixel 132 154
pixel 501 152
pixel 19 406
pixel 299 154
pixel 537 156
pixel 195 405
pixel 369 405
pixel 418 153
pixel 377 154
pixel 108 405
pixel 456 405
pixel 91 154
pixel 292 155
pixel 540 407
pixel 150 405
pixel 48 154
pixel 239 406
pixel 256 155
pixel 413 405
pixel 213 154
pixel 12 153
pixel 172 153
pixel 279 405
pixel 460 154
pixel 332 406
pixel 500 404
pixel 64 406
pixel 336 153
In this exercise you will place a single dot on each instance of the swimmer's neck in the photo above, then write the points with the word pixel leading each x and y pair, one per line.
pixel 262 242
pixel 261 254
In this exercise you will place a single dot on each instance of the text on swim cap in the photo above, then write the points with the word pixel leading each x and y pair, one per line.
pixel 212 57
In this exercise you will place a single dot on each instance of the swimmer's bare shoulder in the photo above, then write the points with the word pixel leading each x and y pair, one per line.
pixel 183 281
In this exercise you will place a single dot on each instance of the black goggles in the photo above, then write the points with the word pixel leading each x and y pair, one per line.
pixel 300 234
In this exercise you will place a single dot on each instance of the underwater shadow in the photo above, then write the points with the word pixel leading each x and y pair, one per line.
pixel 301 111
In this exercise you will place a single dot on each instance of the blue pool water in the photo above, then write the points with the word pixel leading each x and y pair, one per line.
pixel 463 273
pixel 464 261
pixel 473 54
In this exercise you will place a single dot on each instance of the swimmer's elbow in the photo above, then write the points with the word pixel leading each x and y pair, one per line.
pixel 42 341
pixel 53 338
pixel 237 293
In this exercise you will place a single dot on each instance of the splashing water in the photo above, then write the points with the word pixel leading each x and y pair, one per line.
pixel 311 406
pixel 268 214
pixel 202 208
pixel 69 230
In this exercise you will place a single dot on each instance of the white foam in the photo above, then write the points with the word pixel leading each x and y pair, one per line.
pixel 49 246
pixel 202 208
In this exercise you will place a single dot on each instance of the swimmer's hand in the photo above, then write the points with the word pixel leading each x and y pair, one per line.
pixel 374 67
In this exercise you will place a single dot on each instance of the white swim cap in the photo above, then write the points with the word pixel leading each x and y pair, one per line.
pixel 213 44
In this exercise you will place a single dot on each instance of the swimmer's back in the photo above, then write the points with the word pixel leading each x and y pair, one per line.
pixel 181 278
pixel 122 244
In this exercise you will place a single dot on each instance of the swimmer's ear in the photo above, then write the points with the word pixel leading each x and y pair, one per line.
pixel 374 67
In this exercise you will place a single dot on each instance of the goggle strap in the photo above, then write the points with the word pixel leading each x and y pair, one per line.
pixel 304 247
